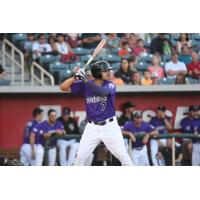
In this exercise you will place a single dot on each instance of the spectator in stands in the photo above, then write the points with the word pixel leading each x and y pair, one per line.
pixel 146 80
pixel 125 49
pixel 167 47
pixel 139 50
pixel 131 38
pixel 157 44
pixel 136 78
pixel 61 46
pixel 90 40
pixel 132 62
pixel 175 67
pixel 40 47
pixel 52 42
pixel 117 81
pixel 167 154
pixel 183 40
pixel 72 40
pixel 113 41
pixel 127 115
pixel 180 79
pixel 163 124
pixel 185 55
pixel 194 66
pixel 28 45
pixel 124 72
pixel 70 127
pixel 3 74
pixel 156 71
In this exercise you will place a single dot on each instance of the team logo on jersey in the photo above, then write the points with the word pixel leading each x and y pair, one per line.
pixel 96 99
pixel 111 85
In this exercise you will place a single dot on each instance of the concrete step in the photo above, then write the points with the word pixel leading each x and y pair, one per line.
pixel 17 77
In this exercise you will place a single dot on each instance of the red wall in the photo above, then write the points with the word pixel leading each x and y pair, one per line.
pixel 16 109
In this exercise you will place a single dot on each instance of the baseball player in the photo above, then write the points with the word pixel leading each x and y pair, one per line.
pixel 137 126
pixel 31 152
pixel 71 127
pixel 191 125
pixel 162 123
pixel 49 128
pixel 102 124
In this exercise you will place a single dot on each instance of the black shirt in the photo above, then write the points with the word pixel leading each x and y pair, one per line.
pixel 92 44
pixel 70 126
pixel 125 76
pixel 123 119
pixel 167 154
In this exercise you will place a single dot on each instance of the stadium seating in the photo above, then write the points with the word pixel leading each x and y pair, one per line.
pixel 142 66
pixel 166 81
pixel 112 58
pixel 79 51
pixel 46 60
pixel 192 80
pixel 19 39
pixel 116 66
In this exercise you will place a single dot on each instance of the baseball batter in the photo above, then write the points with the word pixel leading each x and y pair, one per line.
pixel 102 125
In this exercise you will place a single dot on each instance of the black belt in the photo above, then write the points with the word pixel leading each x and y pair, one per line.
pixel 138 148
pixel 101 123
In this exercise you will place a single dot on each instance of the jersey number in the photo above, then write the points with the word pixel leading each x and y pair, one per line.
pixel 103 105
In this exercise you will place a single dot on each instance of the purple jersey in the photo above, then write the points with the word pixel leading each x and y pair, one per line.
pixel 143 129
pixel 45 127
pixel 39 139
pixel 98 108
pixel 189 125
pixel 159 124
pixel 28 129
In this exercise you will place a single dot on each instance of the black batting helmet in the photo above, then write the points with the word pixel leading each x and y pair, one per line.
pixel 99 67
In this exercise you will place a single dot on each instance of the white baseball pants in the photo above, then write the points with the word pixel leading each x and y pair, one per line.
pixel 154 150
pixel 63 145
pixel 110 134
pixel 140 157
pixel 196 154
pixel 52 156
pixel 25 155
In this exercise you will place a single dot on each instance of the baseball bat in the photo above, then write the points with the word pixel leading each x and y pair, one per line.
pixel 95 52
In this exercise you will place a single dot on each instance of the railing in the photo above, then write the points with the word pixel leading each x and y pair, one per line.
pixel 163 136
pixel 42 74
pixel 14 62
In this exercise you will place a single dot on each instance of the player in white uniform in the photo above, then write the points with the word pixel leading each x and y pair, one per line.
pixel 32 151
pixel 102 125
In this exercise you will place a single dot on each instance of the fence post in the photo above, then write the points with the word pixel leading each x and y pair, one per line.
pixel 130 147
pixel 173 151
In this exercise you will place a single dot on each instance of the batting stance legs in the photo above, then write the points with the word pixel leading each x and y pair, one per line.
pixel 110 134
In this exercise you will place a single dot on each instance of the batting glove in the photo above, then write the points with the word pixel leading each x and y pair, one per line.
pixel 80 74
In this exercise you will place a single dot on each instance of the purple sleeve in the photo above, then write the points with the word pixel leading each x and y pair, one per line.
pixel 111 87
pixel 60 126
pixel 149 128
pixel 77 87
pixel 126 127
pixel 36 129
